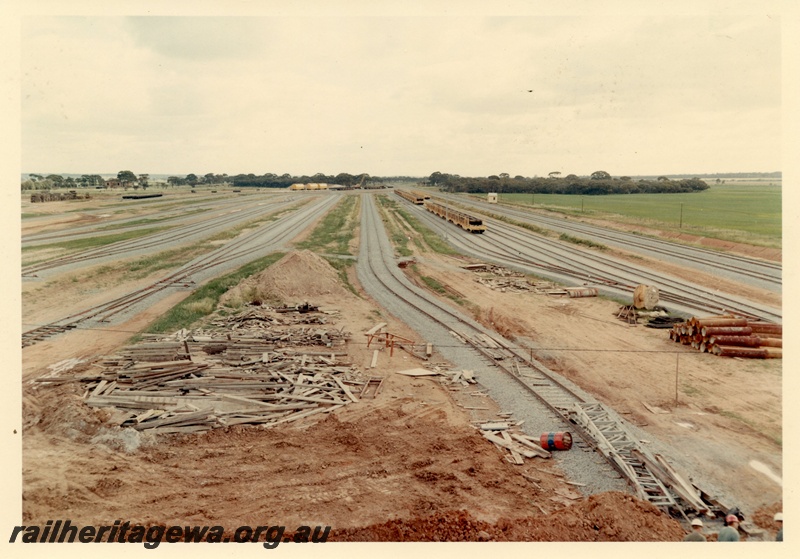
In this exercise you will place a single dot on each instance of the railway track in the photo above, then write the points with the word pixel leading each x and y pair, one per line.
pixel 248 246
pixel 598 426
pixel 754 271
pixel 149 242
pixel 173 211
pixel 564 262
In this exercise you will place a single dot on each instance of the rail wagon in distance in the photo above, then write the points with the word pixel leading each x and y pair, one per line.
pixel 411 196
pixel 465 221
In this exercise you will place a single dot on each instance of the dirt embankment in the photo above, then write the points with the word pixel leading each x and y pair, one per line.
pixel 406 466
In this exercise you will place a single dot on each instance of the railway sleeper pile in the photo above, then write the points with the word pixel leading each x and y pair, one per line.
pixel 513 444
pixel 503 279
pixel 255 371
pixel 731 336
pixel 189 397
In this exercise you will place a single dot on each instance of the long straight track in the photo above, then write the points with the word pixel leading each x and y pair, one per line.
pixel 247 246
pixel 564 262
pixel 755 271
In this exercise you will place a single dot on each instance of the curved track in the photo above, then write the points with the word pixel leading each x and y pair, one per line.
pixel 262 241
pixel 425 312
pixel 186 233
pixel 751 271
pixel 566 263
pixel 165 211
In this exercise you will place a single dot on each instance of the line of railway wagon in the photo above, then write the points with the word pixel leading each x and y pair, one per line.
pixel 465 221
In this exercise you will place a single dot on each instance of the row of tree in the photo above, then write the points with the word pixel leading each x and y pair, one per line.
pixel 271 180
pixel 598 183
pixel 42 182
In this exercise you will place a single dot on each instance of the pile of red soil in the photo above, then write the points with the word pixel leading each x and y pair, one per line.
pixel 607 517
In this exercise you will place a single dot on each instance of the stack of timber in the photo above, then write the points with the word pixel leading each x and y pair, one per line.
pixel 190 382
pixel 504 284
pixel 731 336
pixel 504 279
pixel 517 445
pixel 188 397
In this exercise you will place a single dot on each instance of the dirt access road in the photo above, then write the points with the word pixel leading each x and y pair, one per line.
pixel 381 469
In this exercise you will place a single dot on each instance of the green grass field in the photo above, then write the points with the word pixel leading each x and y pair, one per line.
pixel 744 212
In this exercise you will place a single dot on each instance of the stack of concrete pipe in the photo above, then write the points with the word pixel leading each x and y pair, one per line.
pixel 731 336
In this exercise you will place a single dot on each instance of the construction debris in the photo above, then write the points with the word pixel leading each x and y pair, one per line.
pixel 731 336
pixel 518 445
pixel 645 297
pixel 252 373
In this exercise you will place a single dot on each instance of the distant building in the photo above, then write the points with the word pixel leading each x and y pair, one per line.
pixel 309 186
pixel 492 197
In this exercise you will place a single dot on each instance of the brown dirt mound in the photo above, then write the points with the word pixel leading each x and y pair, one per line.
pixel 764 516
pixel 608 517
pixel 298 276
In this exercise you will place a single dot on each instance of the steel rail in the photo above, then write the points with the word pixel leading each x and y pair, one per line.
pixel 147 242
pixel 233 250
pixel 495 246
pixel 192 208
pixel 549 390
pixel 706 258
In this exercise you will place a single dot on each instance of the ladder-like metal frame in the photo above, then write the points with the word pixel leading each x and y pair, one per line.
pixel 616 443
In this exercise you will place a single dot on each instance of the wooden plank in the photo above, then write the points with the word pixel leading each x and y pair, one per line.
pixel 541 452
pixel 509 445
pixel 654 409
pixel 420 372
pixel 301 415
pixel 374 359
pixel 99 388
pixel 495 426
pixel 515 455
pixel 263 405
pixel 375 329
pixel 346 390
pixel 532 480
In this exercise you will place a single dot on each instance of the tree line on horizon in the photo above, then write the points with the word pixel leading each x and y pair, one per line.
pixel 597 184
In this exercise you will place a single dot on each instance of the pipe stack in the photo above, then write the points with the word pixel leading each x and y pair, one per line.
pixel 731 336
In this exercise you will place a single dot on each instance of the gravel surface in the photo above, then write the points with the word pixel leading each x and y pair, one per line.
pixel 268 238
pixel 174 212
pixel 564 263
pixel 174 237
pixel 505 390
pixel 377 263
pixel 732 266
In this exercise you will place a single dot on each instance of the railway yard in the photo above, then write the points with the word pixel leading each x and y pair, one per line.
pixel 389 389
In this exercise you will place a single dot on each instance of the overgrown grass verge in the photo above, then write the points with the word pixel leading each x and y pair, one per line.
pixel 430 239
pixel 398 232
pixel 92 242
pixel 437 287
pixel 335 231
pixel 204 300
pixel 342 267
pixel 333 236
pixel 584 242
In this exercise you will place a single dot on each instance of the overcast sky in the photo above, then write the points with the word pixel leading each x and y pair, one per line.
pixel 402 95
